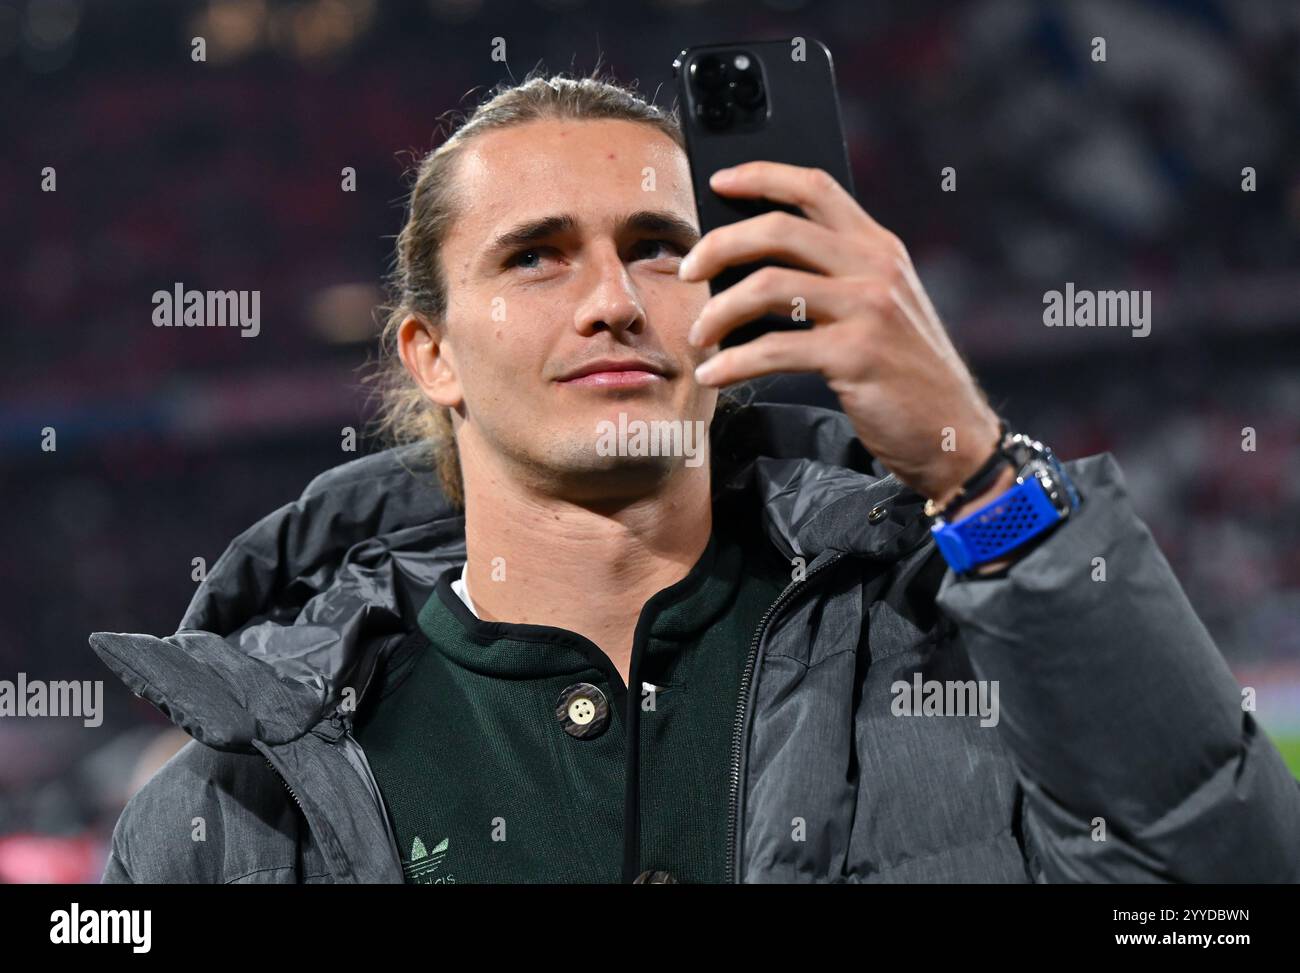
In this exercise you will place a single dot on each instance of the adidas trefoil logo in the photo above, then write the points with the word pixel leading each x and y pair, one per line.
pixel 420 869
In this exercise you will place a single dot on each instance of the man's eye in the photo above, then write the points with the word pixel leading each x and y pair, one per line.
pixel 653 249
pixel 529 259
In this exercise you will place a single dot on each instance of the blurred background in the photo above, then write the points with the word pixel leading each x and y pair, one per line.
pixel 225 174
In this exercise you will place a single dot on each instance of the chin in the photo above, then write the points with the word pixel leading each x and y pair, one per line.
pixel 584 475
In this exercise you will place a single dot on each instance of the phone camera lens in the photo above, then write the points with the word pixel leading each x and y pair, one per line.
pixel 748 89
pixel 711 73
pixel 716 112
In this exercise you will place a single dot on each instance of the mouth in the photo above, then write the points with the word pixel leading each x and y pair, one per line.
pixel 614 373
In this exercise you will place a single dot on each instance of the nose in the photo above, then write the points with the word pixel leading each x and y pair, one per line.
pixel 610 300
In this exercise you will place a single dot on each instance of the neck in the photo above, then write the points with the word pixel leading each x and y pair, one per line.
pixel 537 558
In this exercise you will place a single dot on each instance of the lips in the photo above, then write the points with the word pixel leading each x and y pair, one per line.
pixel 614 372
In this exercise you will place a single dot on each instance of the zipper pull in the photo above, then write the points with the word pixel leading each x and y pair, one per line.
pixel 332 729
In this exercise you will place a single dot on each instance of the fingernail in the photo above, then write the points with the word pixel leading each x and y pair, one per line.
pixel 722 177
pixel 687 266
pixel 693 336
pixel 704 372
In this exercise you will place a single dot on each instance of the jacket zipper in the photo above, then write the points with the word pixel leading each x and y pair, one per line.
pixel 742 705
pixel 286 785
pixel 342 727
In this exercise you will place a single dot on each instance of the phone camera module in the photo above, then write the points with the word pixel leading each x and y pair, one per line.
pixel 716 113
pixel 748 89
pixel 711 73
pixel 729 92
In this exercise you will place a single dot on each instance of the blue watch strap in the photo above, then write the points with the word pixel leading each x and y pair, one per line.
pixel 997 528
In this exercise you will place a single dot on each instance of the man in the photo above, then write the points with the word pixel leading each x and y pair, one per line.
pixel 748 663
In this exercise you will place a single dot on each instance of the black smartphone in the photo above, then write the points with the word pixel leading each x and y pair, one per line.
pixel 770 100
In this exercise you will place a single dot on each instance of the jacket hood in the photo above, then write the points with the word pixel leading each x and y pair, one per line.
pixel 301 606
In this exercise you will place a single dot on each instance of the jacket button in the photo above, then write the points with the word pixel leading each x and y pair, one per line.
pixel 877 514
pixel 652 877
pixel 583 711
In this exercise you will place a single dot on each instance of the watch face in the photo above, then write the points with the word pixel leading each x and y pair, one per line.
pixel 1056 484
pixel 1036 461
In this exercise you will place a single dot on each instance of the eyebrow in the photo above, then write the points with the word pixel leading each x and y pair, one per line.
pixel 643 221
pixel 664 224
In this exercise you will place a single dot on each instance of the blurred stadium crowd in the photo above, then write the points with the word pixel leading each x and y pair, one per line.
pixel 226 174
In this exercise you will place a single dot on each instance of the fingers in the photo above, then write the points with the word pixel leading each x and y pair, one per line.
pixel 771 290
pixel 774 236
pixel 815 191
pixel 835 236
pixel 849 275
pixel 776 351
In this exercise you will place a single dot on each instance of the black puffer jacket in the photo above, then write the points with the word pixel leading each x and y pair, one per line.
pixel 1121 753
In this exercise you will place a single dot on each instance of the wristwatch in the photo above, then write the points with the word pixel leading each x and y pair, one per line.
pixel 1043 497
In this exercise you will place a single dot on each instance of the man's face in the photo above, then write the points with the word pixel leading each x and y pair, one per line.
pixel 564 306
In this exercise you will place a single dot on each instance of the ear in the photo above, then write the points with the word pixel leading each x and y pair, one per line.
pixel 427 356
